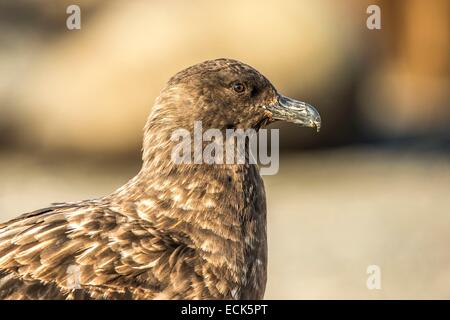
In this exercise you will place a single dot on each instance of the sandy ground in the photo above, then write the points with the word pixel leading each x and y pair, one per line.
pixel 331 215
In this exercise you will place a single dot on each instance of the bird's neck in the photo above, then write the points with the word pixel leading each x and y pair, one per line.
pixel 217 209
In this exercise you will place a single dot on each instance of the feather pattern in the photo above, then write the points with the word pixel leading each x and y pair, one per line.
pixel 188 231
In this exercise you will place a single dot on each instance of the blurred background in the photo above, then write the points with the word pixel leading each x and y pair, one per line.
pixel 372 188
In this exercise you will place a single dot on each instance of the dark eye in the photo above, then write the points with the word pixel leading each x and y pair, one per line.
pixel 238 87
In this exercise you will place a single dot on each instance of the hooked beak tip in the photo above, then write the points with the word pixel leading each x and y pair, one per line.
pixel 317 124
pixel 298 112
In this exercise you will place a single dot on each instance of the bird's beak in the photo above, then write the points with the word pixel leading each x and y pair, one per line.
pixel 287 109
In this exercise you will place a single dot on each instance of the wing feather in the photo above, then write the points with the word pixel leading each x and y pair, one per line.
pixel 87 251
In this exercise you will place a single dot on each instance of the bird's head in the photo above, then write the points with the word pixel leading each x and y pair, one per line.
pixel 226 94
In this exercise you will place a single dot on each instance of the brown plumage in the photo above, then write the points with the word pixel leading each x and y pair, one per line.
pixel 174 231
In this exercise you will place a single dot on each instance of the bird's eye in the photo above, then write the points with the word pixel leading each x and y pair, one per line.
pixel 238 87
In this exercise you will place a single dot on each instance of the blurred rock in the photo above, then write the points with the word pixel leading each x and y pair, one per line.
pixel 408 91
